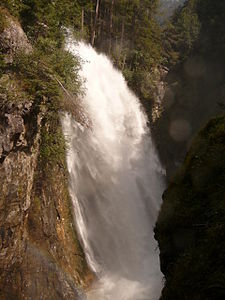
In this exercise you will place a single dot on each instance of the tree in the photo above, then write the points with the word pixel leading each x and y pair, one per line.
pixel 95 23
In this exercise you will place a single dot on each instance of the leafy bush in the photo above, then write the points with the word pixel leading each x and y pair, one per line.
pixel 47 72
pixel 53 144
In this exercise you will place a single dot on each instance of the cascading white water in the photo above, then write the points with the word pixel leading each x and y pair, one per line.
pixel 115 184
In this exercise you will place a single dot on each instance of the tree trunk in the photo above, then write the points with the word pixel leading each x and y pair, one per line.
pixel 124 61
pixel 122 35
pixel 95 23
pixel 111 26
pixel 133 27
pixel 82 22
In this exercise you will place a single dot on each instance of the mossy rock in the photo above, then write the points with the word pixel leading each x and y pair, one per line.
pixel 191 224
pixel 13 93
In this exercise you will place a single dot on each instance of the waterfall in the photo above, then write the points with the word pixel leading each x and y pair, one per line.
pixel 115 184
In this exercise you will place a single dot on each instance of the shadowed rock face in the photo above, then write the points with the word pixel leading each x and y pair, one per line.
pixel 40 256
pixel 190 227
pixel 194 87
pixel 192 94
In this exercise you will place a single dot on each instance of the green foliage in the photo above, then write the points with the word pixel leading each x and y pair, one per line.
pixel 60 63
pixel 48 74
pixel 200 23
pixel 37 78
pixel 45 18
pixel 46 70
pixel 181 33
pixel 129 33
pixel 11 92
pixel 13 6
pixel 53 144
pixel 135 36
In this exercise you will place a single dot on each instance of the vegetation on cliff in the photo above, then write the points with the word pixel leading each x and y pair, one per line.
pixel 48 71
pixel 191 225
pixel 38 79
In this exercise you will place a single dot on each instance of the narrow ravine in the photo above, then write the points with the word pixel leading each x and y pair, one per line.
pixel 115 184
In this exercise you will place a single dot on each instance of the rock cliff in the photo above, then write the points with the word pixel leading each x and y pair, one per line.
pixel 40 256
pixel 12 38
pixel 191 224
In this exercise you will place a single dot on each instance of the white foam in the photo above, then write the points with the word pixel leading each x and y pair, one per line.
pixel 115 184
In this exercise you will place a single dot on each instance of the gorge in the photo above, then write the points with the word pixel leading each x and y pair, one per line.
pixel 112 155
